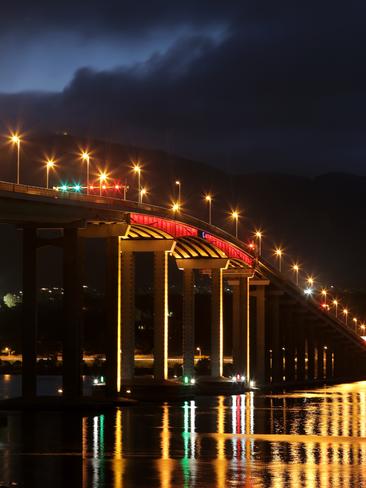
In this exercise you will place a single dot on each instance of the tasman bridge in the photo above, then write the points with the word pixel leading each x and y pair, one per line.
pixel 284 337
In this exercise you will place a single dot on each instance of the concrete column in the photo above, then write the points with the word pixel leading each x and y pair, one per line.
pixel 320 348
pixel 72 353
pixel 217 333
pixel 276 345
pixel 240 324
pixel 126 335
pixel 188 322
pixel 289 345
pixel 113 328
pixel 29 313
pixel 329 369
pixel 310 344
pixel 300 349
pixel 260 353
pixel 160 315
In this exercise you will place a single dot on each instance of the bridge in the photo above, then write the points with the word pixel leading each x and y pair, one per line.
pixel 280 335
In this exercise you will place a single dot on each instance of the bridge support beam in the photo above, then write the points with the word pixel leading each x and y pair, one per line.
pixel 72 354
pixel 275 343
pixel 113 325
pixel 217 324
pixel 188 322
pixel 240 289
pixel 161 315
pixel 29 313
pixel 126 334
pixel 289 346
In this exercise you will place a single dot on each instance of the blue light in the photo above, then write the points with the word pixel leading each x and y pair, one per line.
pixel 63 187
pixel 77 187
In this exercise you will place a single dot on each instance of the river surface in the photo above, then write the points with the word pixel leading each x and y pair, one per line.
pixel 305 439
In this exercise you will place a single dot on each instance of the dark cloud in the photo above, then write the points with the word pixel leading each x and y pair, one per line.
pixel 282 86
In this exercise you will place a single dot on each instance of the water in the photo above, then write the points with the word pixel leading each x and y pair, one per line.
pixel 305 439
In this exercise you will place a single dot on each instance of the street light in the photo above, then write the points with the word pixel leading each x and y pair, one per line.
pixel 85 156
pixel 335 303
pixel 296 268
pixel 235 216
pixel 103 176
pixel 324 293
pixel 143 193
pixel 208 199
pixel 50 163
pixel 137 170
pixel 175 207
pixel 310 280
pixel 355 322
pixel 278 252
pixel 179 185
pixel 258 235
pixel 198 349
pixel 345 313
pixel 15 139
pixel 363 327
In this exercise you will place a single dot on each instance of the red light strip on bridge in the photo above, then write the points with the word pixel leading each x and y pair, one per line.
pixel 175 229
pixel 230 250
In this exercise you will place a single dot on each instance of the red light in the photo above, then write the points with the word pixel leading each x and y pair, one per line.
pixel 117 187
pixel 324 305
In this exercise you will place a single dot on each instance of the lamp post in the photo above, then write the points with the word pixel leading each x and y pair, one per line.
pixel 335 303
pixel 258 235
pixel 102 179
pixel 15 139
pixel 362 328
pixel 198 349
pixel 85 156
pixel 175 208
pixel 208 199
pixel 278 253
pixel 50 163
pixel 324 294
pixel 143 192
pixel 137 170
pixel 355 322
pixel 179 185
pixel 235 217
pixel 345 313
pixel 296 269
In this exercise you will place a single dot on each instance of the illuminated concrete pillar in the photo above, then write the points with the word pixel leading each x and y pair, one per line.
pixel 113 325
pixel 260 353
pixel 300 350
pixel 72 353
pixel 188 322
pixel 329 362
pixel 29 313
pixel 289 345
pixel 310 345
pixel 275 343
pixel 126 331
pixel 217 339
pixel 240 289
pixel 161 315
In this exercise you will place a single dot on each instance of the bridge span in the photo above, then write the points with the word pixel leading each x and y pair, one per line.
pixel 280 336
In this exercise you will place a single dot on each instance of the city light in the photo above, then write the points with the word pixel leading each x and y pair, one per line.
pixel 258 234
pixel 208 199
pixel 15 140
pixel 179 185
pixel 345 313
pixel 50 164
pixel 103 177
pixel 296 268
pixel 308 291
pixel 85 156
pixel 310 280
pixel 143 193
pixel 278 253
pixel 335 303
pixel 175 207
pixel 235 216
pixel 324 293
pixel 137 170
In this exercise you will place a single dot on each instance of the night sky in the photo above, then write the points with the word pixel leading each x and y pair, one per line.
pixel 246 85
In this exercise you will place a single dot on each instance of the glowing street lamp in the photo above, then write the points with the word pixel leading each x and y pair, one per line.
pixel 15 139
pixel 103 177
pixel 208 199
pixel 137 170
pixel 362 328
pixel 296 269
pixel 258 235
pixel 198 349
pixel 335 303
pixel 50 163
pixel 179 185
pixel 85 156
pixel 235 216
pixel 278 252
pixel 345 313
pixel 143 193
pixel 354 320
pixel 310 280
pixel 175 207
pixel 324 294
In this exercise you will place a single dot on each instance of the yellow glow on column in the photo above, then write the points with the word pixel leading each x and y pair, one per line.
pixel 166 315
pixel 84 427
pixel 248 330
pixel 119 351
pixel 221 345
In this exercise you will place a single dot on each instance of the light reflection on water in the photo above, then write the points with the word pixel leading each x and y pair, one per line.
pixel 308 439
